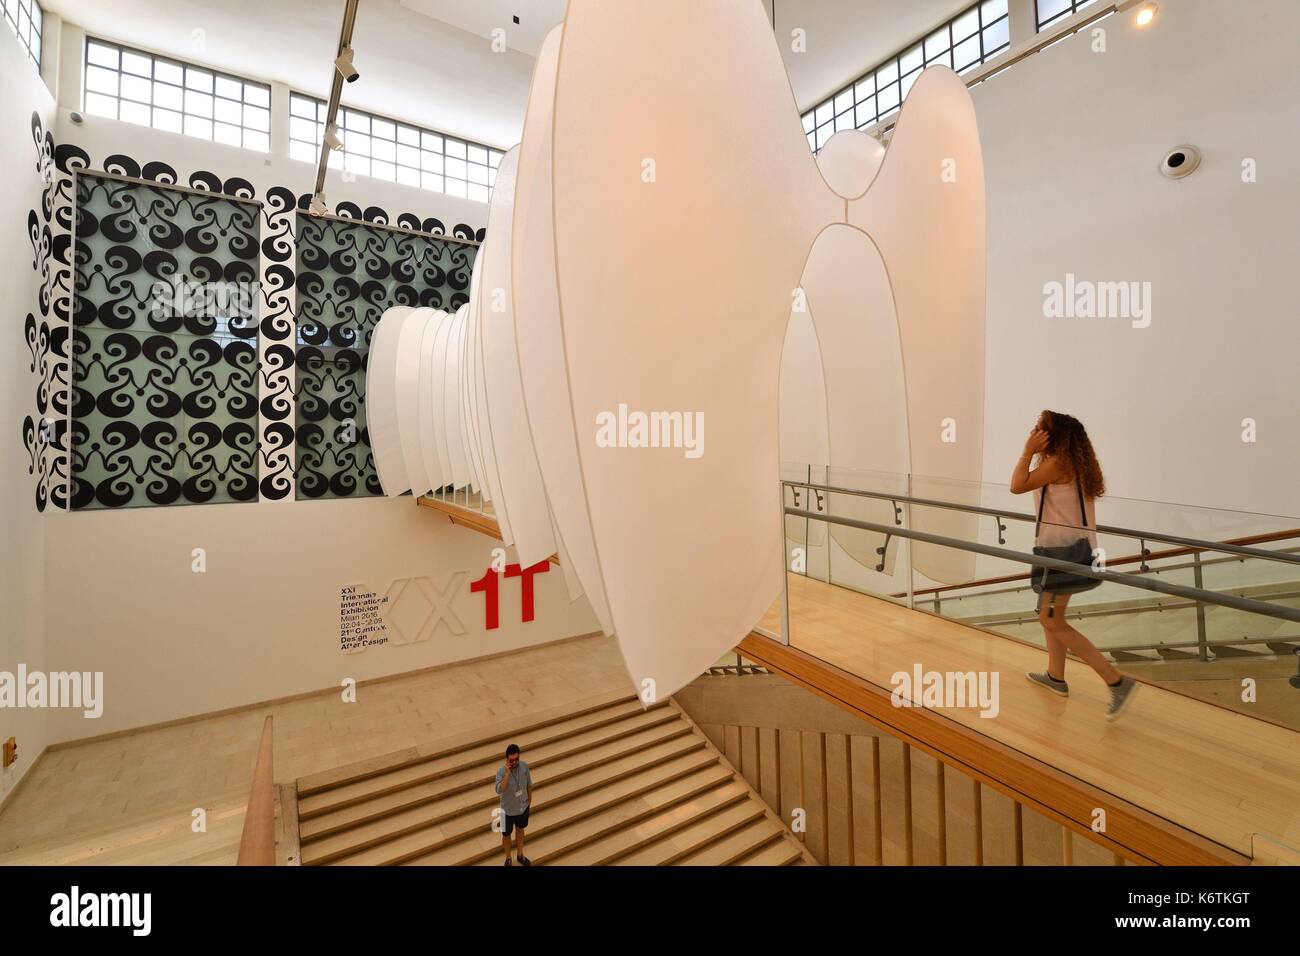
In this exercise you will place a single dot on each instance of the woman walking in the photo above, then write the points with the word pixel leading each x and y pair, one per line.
pixel 1066 484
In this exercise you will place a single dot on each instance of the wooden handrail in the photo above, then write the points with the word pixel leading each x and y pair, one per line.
pixel 257 843
pixel 1128 559
pixel 1133 832
pixel 467 518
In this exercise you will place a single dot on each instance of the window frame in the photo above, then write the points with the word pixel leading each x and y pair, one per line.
pixel 188 95
pixel 13 11
pixel 435 161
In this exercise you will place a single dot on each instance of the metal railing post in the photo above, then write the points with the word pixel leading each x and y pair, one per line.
pixel 911 576
pixel 1202 648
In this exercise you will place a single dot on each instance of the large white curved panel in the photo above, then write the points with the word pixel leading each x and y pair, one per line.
pixel 849 162
pixel 451 410
pixel 438 399
pixel 653 322
pixel 926 212
pixel 492 473
pixel 852 308
pixel 409 354
pixel 381 402
pixel 539 335
pixel 521 477
pixel 430 411
pixel 805 441
pixel 466 419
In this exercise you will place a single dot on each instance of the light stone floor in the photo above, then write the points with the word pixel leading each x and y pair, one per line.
pixel 130 799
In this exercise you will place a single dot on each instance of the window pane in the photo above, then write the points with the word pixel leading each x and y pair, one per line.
pixel 431 162
pixel 356 121
pixel 431 181
pixel 231 89
pixel 101 55
pixel 227 111
pixel 137 64
pixel 431 142
pixel 967 52
pixel 168 120
pixel 807 122
pixel 990 10
pixel 910 60
pixel 456 187
pixel 301 106
pixel 258 141
pixel 199 104
pixel 168 72
pixel 477 154
pixel 135 113
pixel 257 95
pixel 383 149
pixel 867 111
pixel 200 80
pixel 454 147
pixel 408 135
pixel 825 113
pixel 98 104
pixel 478 173
pixel 356 164
pixel 257 118
pixel 136 88
pixel 100 80
pixel 865 87
pixel 936 43
pixel 196 126
pixel 455 167
pixel 996 37
pixel 382 129
pixel 478 192
pixel 966 25
pixel 302 151
pixel 407 176
pixel 226 133
pixel 886 74
pixel 408 156
pixel 166 95
pixel 385 171
pixel 844 101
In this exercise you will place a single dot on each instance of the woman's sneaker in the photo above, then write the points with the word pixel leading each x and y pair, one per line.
pixel 1121 695
pixel 1044 679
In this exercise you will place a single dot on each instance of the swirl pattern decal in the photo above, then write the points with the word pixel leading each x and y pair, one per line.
pixel 164 345
pixel 178 410
pixel 348 274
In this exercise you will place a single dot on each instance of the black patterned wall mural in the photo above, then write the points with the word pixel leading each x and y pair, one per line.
pixel 348 273
pixel 223 411
pixel 164 351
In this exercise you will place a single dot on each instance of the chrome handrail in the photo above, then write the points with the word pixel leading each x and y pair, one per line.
pixel 1218 546
pixel 1041 561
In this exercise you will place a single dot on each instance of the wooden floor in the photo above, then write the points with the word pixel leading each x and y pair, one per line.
pixel 1220 774
pixel 614 783
pixel 129 799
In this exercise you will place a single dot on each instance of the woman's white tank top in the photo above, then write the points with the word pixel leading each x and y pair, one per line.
pixel 1061 524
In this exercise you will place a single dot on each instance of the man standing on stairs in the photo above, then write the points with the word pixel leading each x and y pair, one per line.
pixel 515 786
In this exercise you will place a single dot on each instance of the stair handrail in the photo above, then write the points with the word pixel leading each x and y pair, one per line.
pixel 257 841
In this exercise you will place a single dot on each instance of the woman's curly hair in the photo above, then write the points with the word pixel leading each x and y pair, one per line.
pixel 1067 440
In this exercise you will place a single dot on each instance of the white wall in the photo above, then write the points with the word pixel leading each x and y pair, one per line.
pixel 1071 143
pixel 22 557
pixel 262 620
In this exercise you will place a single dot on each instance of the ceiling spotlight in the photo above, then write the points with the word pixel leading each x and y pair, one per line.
pixel 332 137
pixel 344 65
pixel 1146 14
pixel 317 206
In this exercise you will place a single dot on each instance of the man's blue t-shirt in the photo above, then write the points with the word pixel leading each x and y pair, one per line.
pixel 514 795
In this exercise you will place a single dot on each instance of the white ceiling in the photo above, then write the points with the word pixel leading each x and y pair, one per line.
pixel 430 62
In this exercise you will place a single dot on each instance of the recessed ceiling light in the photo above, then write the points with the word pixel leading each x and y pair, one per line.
pixel 1146 14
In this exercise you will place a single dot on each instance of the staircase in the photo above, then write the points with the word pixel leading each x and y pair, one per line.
pixel 614 783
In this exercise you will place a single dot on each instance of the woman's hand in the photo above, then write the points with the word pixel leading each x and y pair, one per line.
pixel 1035 443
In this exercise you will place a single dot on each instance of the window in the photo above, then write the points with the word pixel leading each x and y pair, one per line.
pixel 26 18
pixel 968 40
pixel 1048 12
pixel 397 152
pixel 135 87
